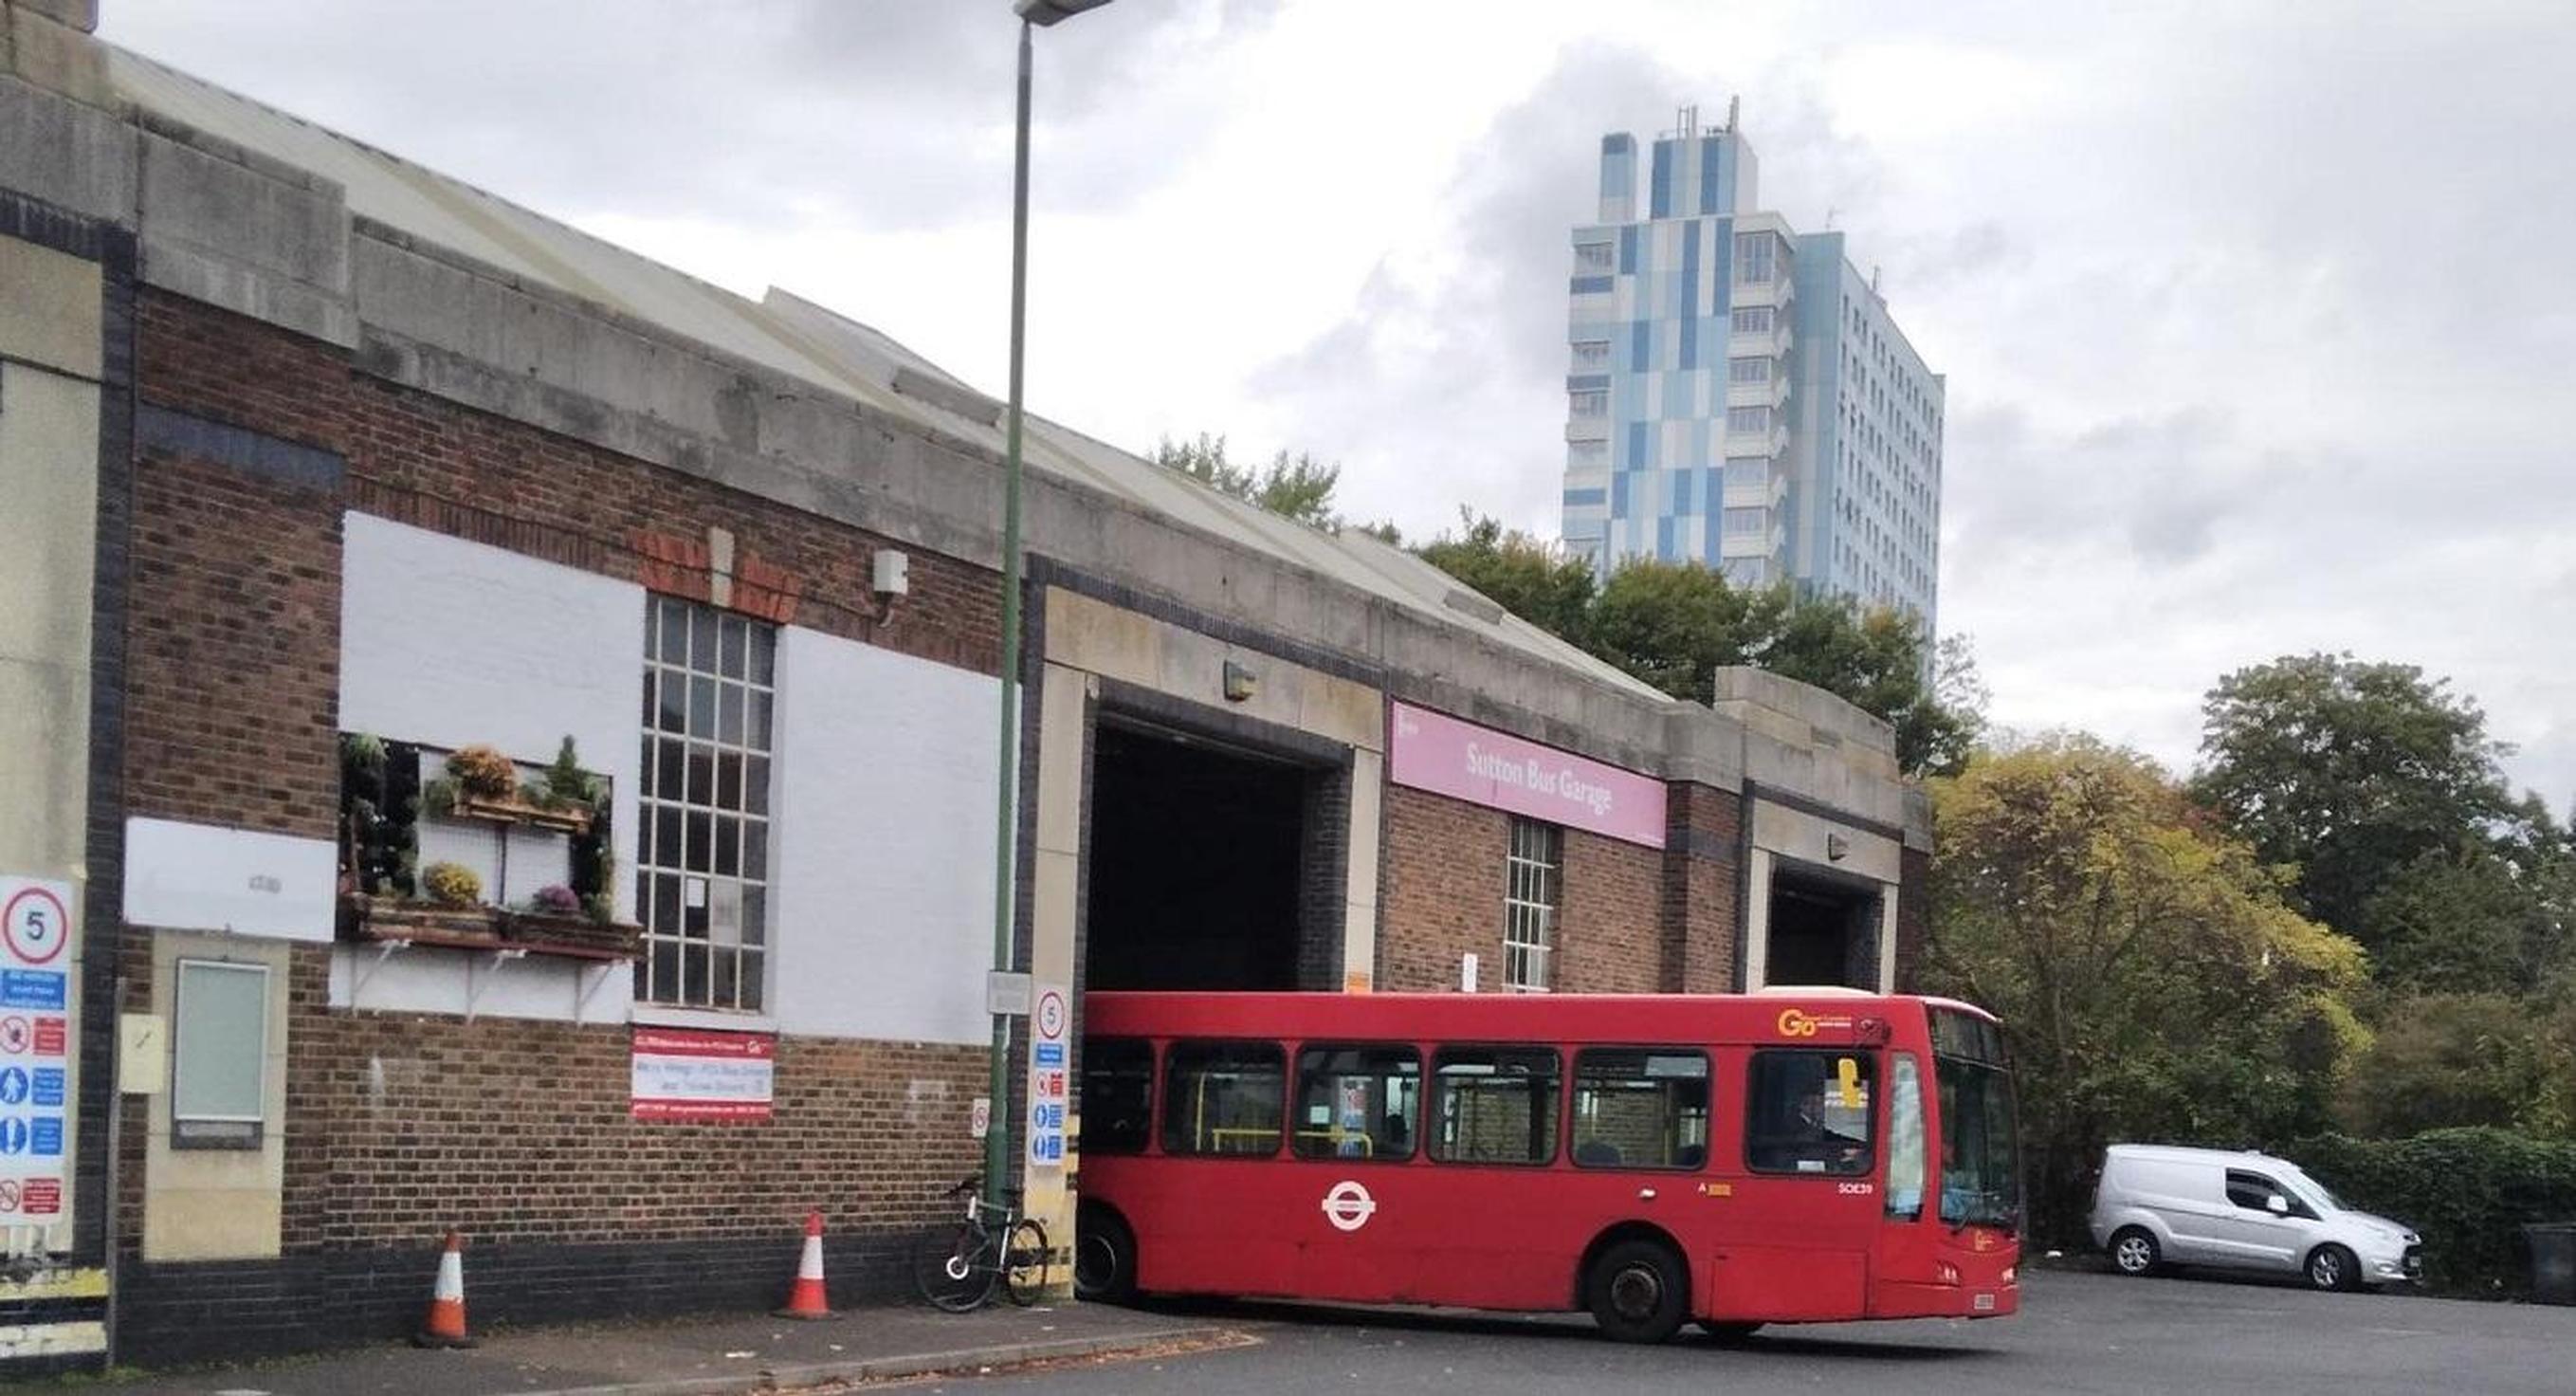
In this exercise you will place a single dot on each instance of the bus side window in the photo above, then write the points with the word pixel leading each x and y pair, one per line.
pixel 1493 1105
pixel 1223 1097
pixel 1357 1102
pixel 1117 1095
pixel 1640 1107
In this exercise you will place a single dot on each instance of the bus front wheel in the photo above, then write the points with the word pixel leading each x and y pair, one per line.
pixel 1639 1291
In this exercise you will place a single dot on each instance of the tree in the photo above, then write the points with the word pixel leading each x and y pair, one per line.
pixel 2153 980
pixel 1299 488
pixel 2446 1060
pixel 2347 771
pixel 1674 624
pixel 1534 580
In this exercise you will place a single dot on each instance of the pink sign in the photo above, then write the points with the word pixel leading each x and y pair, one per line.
pixel 1448 757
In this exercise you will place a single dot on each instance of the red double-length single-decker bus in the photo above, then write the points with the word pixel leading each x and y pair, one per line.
pixel 1791 1157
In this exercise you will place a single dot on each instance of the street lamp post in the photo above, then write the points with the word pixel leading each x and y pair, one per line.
pixel 1033 14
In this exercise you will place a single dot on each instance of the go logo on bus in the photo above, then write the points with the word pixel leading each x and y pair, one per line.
pixel 1797 1023
pixel 1348 1206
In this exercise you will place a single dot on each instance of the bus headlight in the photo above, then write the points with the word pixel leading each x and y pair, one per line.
pixel 2012 1274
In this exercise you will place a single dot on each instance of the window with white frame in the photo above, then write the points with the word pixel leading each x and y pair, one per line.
pixel 1748 370
pixel 1748 421
pixel 1747 523
pixel 1752 319
pixel 1591 353
pixel 1593 256
pixel 1536 872
pixel 1588 404
pixel 1753 259
pixel 703 832
pixel 219 1055
pixel 1587 452
pixel 1748 472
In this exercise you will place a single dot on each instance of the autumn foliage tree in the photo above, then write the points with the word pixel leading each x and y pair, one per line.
pixel 2157 983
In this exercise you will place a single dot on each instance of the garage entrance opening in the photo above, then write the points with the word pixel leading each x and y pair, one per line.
pixel 1822 932
pixel 1201 863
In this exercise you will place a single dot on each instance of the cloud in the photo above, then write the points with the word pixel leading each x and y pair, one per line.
pixel 2252 334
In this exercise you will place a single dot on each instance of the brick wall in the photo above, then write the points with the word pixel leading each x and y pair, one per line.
pixel 1703 888
pixel 400 1126
pixel 1443 880
pixel 433 464
pixel 1913 917
pixel 1609 930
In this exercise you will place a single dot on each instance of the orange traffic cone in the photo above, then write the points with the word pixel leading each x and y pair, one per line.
pixel 445 1326
pixel 805 1299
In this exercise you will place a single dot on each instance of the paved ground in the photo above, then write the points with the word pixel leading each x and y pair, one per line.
pixel 714 1357
pixel 2077 1332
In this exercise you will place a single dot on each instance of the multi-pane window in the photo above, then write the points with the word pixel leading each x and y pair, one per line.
pixel 1748 370
pixel 1593 256
pixel 1753 258
pixel 1536 873
pixel 1588 404
pixel 1587 452
pixel 702 840
pixel 1591 353
pixel 1752 319
pixel 1748 421
pixel 1747 571
pixel 1747 523
pixel 1748 472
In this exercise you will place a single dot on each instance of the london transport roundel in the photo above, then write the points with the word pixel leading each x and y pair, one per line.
pixel 1348 1206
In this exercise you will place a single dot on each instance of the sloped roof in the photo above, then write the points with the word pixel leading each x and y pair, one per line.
pixel 798 338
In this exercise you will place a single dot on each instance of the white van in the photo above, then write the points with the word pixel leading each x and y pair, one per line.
pixel 2157 1205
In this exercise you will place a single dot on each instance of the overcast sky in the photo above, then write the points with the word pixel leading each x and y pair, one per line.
pixel 2257 327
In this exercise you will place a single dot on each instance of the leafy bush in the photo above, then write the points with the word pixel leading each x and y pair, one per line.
pixel 2468 1191
pixel 452 884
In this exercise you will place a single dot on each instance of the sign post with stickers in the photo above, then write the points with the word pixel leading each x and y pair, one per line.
pixel 1050 1079
pixel 35 1049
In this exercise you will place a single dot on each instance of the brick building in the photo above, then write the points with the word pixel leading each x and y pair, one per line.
pixel 327 470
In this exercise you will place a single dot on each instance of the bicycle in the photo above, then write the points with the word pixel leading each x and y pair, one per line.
pixel 956 1265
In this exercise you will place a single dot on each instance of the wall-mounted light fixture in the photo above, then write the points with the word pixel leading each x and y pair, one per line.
pixel 1835 847
pixel 1240 683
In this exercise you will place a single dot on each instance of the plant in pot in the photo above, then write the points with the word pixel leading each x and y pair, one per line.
pixel 452 885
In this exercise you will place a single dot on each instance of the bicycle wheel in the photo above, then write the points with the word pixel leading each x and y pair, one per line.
pixel 1025 1266
pixel 951 1267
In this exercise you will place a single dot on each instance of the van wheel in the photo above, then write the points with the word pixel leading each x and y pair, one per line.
pixel 2333 1267
pixel 1638 1291
pixel 1104 1257
pixel 2134 1252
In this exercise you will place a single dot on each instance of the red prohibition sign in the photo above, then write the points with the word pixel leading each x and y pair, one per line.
pixel 35 925
pixel 8 1194
pixel 14 1035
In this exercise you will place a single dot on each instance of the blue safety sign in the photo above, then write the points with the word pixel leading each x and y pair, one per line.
pixel 31 988
pixel 1048 1053
pixel 49 1085
pixel 13 1085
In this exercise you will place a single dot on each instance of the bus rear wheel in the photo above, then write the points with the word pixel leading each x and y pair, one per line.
pixel 1104 1256
pixel 1639 1292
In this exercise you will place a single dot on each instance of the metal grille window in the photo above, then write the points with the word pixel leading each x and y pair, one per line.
pixel 702 842
pixel 1536 871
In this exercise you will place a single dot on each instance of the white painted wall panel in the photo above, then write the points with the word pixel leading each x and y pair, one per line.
pixel 202 877
pixel 450 643
pixel 884 859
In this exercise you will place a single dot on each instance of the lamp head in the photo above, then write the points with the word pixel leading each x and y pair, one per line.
pixel 1044 13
